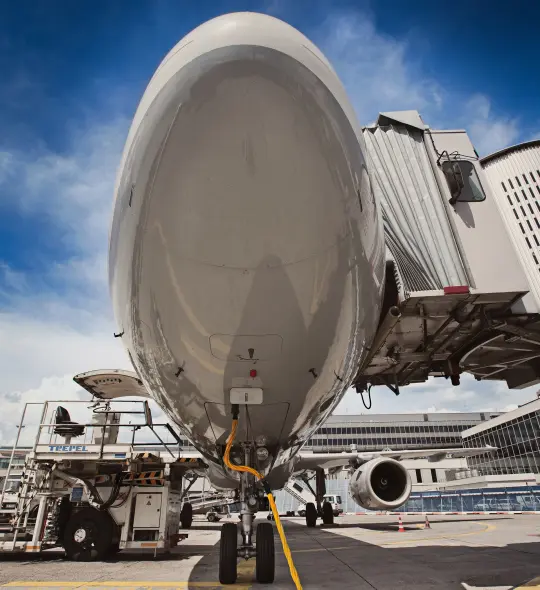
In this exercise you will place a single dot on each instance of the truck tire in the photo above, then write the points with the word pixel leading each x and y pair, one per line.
pixel 88 535
pixel 211 517
pixel 113 550
pixel 186 515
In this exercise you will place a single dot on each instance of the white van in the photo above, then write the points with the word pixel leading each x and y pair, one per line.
pixel 335 501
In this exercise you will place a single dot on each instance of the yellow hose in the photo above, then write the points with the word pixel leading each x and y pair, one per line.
pixel 245 468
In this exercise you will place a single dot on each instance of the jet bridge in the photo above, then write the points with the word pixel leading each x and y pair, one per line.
pixel 456 294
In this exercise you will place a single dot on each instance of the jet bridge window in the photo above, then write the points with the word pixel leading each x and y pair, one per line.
pixel 463 181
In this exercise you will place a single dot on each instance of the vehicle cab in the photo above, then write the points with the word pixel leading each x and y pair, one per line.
pixel 333 499
pixel 337 506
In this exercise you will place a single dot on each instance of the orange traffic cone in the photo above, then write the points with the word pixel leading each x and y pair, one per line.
pixel 427 525
pixel 401 529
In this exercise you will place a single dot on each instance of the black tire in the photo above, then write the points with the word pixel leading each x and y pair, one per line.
pixel 186 515
pixel 88 535
pixel 265 565
pixel 228 553
pixel 211 517
pixel 311 515
pixel 302 513
pixel 113 550
pixel 327 513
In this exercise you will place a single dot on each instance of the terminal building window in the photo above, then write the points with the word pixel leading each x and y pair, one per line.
pixel 517 443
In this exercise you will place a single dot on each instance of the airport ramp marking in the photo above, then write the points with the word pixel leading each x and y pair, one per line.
pixel 535 583
pixel 143 585
pixel 487 528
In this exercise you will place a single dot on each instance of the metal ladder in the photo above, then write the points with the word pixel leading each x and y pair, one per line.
pixel 10 468
pixel 302 495
pixel 28 489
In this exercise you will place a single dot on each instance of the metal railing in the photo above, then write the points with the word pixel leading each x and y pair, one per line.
pixel 45 432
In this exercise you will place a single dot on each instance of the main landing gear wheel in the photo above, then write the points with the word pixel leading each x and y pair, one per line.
pixel 88 535
pixel 266 558
pixel 311 515
pixel 327 513
pixel 186 516
pixel 227 553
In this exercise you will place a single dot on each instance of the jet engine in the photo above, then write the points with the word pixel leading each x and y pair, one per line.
pixel 380 484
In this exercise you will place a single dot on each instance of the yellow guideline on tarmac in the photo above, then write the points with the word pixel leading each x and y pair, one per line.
pixel 530 584
pixel 144 585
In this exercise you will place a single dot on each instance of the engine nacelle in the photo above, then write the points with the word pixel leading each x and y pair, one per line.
pixel 380 484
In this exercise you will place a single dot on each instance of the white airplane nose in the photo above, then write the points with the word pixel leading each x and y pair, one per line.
pixel 254 153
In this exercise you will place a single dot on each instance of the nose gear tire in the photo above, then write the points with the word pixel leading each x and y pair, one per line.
pixel 266 559
pixel 228 553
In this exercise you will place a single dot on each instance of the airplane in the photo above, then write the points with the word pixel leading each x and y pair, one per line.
pixel 247 262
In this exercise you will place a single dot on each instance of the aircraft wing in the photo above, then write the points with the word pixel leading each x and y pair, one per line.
pixel 312 461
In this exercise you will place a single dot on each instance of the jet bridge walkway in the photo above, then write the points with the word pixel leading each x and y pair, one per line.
pixel 457 297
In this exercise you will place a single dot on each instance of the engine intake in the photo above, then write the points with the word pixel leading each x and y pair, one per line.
pixel 380 484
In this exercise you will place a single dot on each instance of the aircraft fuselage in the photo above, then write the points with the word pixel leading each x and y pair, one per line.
pixel 246 246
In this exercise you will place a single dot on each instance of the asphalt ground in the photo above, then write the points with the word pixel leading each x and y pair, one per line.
pixel 361 552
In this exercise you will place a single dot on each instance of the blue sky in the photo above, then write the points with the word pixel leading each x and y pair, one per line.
pixel 71 76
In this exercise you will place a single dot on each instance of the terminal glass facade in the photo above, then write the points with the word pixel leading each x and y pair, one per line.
pixel 518 499
pixel 405 434
pixel 518 447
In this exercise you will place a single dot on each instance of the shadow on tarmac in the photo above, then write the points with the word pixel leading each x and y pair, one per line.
pixel 327 560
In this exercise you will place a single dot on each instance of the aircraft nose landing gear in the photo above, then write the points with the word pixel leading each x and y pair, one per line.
pixel 263 551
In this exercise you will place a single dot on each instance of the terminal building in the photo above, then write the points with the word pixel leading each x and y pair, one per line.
pixel 372 432
pixel 508 479
pixel 514 177
pixel 516 435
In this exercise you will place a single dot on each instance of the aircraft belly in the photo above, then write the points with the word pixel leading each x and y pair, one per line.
pixel 251 243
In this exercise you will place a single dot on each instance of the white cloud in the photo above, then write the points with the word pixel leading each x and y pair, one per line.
pixel 381 74
pixel 488 133
pixel 74 191
pixel 57 322
pixel 438 395
pixel 374 67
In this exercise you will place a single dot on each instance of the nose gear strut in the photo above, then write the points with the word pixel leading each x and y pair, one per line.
pixel 247 517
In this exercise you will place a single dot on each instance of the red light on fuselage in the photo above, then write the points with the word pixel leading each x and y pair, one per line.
pixel 253 373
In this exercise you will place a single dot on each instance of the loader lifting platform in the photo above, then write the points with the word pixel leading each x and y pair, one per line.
pixel 86 487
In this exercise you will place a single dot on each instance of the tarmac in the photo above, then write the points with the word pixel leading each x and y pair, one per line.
pixel 361 552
